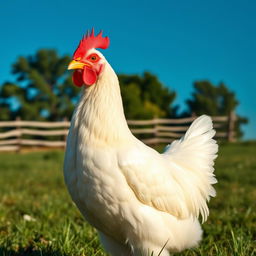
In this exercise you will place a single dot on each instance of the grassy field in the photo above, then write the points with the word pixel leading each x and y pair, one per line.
pixel 37 216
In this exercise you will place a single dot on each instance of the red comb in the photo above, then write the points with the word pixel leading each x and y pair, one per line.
pixel 91 41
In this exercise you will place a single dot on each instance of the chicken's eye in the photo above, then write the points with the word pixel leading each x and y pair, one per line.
pixel 93 58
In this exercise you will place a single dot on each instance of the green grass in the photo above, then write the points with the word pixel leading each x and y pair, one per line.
pixel 32 184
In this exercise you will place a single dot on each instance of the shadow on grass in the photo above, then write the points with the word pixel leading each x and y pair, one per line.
pixel 30 252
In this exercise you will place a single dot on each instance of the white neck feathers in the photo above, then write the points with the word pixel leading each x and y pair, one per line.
pixel 99 114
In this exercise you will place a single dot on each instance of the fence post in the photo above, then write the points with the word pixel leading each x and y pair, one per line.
pixel 19 134
pixel 193 114
pixel 155 127
pixel 231 126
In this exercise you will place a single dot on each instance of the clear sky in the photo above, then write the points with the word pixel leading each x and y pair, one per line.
pixel 179 41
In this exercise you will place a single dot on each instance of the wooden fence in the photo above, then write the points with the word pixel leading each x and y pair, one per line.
pixel 18 134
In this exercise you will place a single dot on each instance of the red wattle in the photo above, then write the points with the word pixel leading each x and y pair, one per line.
pixel 78 77
pixel 89 76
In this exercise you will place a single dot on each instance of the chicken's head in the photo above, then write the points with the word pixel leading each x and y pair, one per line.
pixel 88 62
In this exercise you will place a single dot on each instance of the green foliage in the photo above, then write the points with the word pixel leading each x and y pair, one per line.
pixel 145 97
pixel 214 101
pixel 43 88
pixel 44 91
pixel 32 184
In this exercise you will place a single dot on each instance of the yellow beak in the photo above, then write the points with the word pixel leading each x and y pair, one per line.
pixel 74 64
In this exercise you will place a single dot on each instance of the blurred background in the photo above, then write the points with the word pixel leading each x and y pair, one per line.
pixel 202 52
pixel 175 60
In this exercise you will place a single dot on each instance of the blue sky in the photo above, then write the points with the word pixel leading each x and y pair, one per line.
pixel 179 41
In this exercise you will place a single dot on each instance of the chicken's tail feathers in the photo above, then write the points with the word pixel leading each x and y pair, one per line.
pixel 194 156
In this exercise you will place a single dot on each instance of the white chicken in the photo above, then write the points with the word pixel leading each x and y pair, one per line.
pixel 140 201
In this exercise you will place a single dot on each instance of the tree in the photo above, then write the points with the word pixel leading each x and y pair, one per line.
pixel 146 97
pixel 214 101
pixel 43 90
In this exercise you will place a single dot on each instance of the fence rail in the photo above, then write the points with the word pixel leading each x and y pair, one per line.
pixel 17 134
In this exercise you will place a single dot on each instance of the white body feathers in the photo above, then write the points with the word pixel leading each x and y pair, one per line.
pixel 139 200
